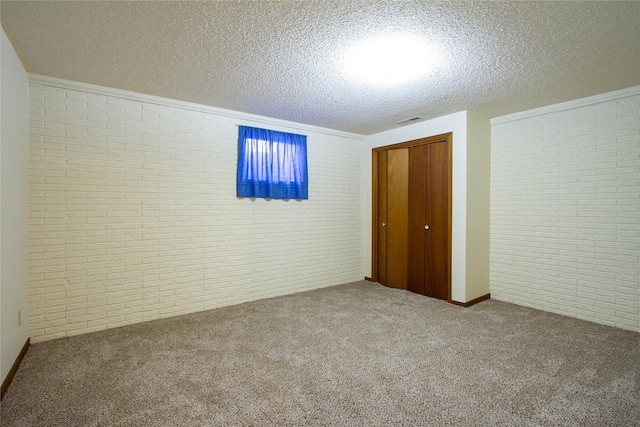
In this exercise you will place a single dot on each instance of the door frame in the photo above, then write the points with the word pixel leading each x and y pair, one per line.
pixel 445 137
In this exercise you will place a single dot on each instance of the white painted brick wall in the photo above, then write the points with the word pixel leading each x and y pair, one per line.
pixel 133 215
pixel 565 209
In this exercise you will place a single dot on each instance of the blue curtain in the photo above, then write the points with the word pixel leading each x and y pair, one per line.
pixel 271 165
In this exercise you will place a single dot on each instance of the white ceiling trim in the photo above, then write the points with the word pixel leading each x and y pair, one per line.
pixel 245 118
pixel 590 100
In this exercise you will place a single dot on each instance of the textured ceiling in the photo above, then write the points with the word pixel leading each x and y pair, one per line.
pixel 287 59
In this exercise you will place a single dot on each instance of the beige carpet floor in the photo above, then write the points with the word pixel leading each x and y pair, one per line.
pixel 358 354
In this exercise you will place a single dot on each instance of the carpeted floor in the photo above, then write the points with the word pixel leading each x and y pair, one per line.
pixel 358 354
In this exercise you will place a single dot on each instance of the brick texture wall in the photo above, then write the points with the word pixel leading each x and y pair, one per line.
pixel 133 215
pixel 565 209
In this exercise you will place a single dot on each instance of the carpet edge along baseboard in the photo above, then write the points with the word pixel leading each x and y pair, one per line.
pixel 472 302
pixel 14 368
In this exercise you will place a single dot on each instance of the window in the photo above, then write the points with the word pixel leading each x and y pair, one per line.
pixel 271 165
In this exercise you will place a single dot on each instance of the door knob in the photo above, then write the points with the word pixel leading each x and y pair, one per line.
pixel 384 224
pixel 426 227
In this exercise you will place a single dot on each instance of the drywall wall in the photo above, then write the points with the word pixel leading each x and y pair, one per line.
pixel 478 175
pixel 13 205
pixel 565 208
pixel 462 289
pixel 134 214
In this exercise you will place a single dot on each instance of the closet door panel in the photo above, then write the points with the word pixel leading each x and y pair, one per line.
pixel 397 217
pixel 413 230
pixel 438 253
pixel 417 214
pixel 382 218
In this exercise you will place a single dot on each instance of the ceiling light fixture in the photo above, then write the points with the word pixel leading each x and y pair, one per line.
pixel 390 60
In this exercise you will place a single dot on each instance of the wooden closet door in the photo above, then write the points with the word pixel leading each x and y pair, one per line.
pixel 382 219
pixel 429 254
pixel 437 242
pixel 417 218
pixel 397 229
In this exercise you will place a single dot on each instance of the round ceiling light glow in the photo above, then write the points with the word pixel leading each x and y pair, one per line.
pixel 390 60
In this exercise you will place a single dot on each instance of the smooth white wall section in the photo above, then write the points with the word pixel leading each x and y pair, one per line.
pixel 456 123
pixel 565 209
pixel 13 205
pixel 134 215
pixel 478 161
